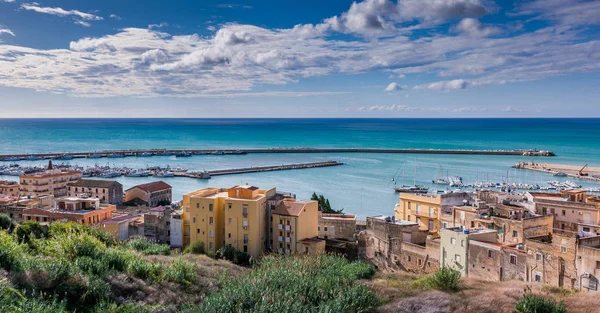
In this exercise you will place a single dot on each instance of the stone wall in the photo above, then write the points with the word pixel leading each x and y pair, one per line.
pixel 553 258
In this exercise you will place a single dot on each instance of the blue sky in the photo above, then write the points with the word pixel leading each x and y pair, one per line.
pixel 374 58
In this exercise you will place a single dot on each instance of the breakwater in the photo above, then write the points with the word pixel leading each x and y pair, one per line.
pixel 257 169
pixel 191 152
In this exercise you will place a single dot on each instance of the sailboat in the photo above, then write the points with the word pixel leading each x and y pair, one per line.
pixel 440 180
pixel 411 189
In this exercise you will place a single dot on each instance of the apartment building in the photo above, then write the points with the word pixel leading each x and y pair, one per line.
pixel 294 227
pixel 454 245
pixel 51 181
pixel 573 210
pixel 79 210
pixel 10 188
pixel 108 191
pixel 426 209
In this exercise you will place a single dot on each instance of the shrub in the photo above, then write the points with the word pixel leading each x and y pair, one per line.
pixel 144 269
pixel 305 283
pixel 195 248
pixel 13 301
pixel 5 222
pixel 536 304
pixel 142 244
pixel 116 259
pixel 445 279
pixel 107 307
pixel 181 271
pixel 92 266
pixel 231 254
pixel 29 230
pixel 11 253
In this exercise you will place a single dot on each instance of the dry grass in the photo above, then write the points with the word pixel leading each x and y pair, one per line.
pixel 399 295
pixel 172 295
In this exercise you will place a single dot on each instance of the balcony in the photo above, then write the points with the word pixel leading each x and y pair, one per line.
pixel 280 238
pixel 245 227
pixel 280 227
pixel 245 214
pixel 425 214
pixel 287 227
pixel 288 239
pixel 587 222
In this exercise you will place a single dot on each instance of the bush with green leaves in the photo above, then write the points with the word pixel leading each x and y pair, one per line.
pixel 234 255
pixel 27 231
pixel 181 271
pixel 445 279
pixel 11 300
pixel 5 222
pixel 536 304
pixel 195 248
pixel 144 246
pixel 303 283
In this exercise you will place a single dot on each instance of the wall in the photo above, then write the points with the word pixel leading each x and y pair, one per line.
pixel 554 264
pixel 482 264
pixel 341 228
pixel 588 262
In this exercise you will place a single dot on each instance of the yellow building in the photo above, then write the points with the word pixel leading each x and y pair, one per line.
pixel 10 188
pixel 50 182
pixel 426 209
pixel 219 216
pixel 295 227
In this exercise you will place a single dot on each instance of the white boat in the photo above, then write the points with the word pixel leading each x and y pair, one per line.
pixel 64 157
pixel 164 174
pixel 571 184
pixel 145 154
pixel 110 174
pixel 137 174
pixel 115 155
pixel 8 159
pixel 33 158
pixel 94 156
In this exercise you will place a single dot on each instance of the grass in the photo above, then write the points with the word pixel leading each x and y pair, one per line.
pixel 444 279
pixel 305 283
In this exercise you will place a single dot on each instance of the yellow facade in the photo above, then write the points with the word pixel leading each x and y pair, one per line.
pixel 53 182
pixel 421 208
pixel 218 216
pixel 295 227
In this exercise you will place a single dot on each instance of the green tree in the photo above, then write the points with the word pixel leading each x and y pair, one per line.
pixel 324 205
pixel 5 222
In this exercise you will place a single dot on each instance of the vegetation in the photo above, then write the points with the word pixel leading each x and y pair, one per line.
pixel 232 254
pixel 536 304
pixel 196 247
pixel 6 222
pixel 324 205
pixel 146 247
pixel 444 279
pixel 304 283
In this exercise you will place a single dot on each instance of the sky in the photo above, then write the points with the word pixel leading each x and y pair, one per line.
pixel 262 58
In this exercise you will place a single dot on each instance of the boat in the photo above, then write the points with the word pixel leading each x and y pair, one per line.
pixel 137 174
pixel 571 184
pixel 94 156
pixel 110 174
pixel 560 174
pixel 115 155
pixel 166 153
pixel 164 174
pixel 412 189
pixel 33 158
pixel 178 169
pixel 145 154
pixel 441 179
pixel 183 154
pixel 455 181
pixel 64 157
pixel 218 152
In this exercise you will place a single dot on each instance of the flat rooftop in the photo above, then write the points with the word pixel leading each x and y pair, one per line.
pixel 390 219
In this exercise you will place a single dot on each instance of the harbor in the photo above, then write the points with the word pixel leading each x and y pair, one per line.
pixel 561 170
pixel 64 156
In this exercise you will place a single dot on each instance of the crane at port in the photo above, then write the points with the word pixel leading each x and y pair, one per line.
pixel 581 173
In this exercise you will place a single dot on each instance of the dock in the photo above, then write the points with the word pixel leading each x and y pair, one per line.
pixel 191 152
pixel 257 169
pixel 580 172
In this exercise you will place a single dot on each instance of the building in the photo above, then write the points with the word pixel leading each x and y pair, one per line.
pixel 492 261
pixel 51 181
pixel 551 260
pixel 398 245
pixel 426 209
pixel 176 229
pixel 157 224
pixel 78 210
pixel 150 194
pixel 108 191
pixel 236 216
pixel 337 226
pixel 294 227
pixel 574 211
pixel 454 245
pixel 10 188
pixel 588 263
pixel 123 227
pixel 14 206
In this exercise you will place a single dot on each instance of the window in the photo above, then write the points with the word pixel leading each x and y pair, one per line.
pixel 210 207
pixel 513 259
pixel 229 220
pixel 462 243
pixel 537 278
pixel 431 211
pixel 515 233
pixel 229 205
pixel 453 241
pixel 598 265
pixel 491 254
pixel 210 233
pixel 409 258
pixel 194 219
pixel 245 224
pixel 418 220
pixel 210 246
pixel 245 239
pixel 538 256
pixel 418 208
pixel 419 262
pixel 325 228
pixel 197 230
pixel 210 220
pixel 332 229
pixel 564 212
pixel 197 205
pixel 229 235
pixel 318 228
pixel 563 249
pixel 586 229
pixel 245 211
pixel 457 258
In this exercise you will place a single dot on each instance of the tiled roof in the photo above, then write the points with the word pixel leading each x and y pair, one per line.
pixel 95 183
pixel 152 187
pixel 291 208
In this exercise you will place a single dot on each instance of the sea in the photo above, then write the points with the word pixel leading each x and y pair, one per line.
pixel 363 185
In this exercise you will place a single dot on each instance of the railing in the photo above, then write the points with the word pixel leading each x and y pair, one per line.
pixel 585 221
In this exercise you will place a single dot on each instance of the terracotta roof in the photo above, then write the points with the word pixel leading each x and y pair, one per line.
pixel 152 187
pixel 245 187
pixel 121 218
pixel 93 183
pixel 291 208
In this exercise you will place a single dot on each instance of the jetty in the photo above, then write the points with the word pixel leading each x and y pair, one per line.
pixel 257 169
pixel 190 152
pixel 581 172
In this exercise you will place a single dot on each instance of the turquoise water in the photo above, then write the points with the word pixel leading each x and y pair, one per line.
pixel 362 186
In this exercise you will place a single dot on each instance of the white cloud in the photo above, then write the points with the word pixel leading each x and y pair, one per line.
pixel 399 108
pixel 565 12
pixel 82 23
pixel 393 87
pixel 114 16
pixel 4 30
pixel 155 26
pixel 473 28
pixel 233 6
pixel 60 12
pixel 8 1
pixel 445 85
